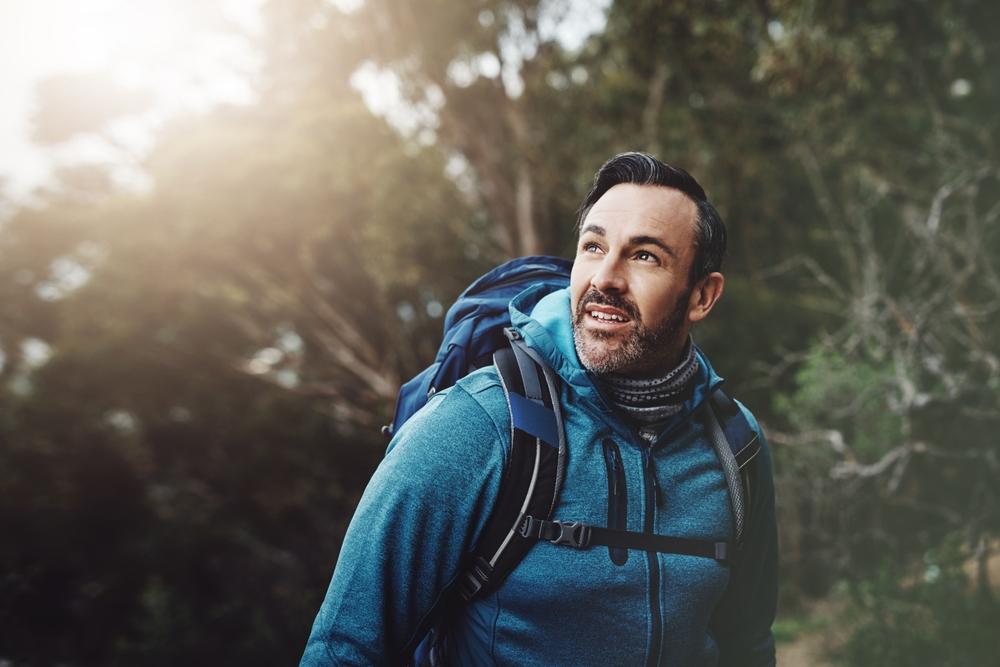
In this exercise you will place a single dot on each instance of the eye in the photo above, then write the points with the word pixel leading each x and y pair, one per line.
pixel 646 256
pixel 590 246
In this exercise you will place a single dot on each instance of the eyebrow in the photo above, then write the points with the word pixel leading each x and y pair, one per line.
pixel 652 240
pixel 635 240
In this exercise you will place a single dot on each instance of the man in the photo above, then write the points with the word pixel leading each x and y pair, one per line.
pixel 646 270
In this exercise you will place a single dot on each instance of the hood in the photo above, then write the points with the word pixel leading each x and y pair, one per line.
pixel 544 320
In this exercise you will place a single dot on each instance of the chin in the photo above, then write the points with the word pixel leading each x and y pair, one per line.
pixel 601 359
pixel 603 352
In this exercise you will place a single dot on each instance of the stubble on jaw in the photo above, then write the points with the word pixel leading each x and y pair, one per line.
pixel 642 351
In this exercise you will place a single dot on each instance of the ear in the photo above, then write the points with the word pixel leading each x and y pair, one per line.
pixel 704 295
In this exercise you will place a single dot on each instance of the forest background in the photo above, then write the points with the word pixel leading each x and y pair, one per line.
pixel 194 369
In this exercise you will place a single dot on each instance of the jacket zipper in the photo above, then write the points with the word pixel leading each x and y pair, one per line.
pixel 617 497
pixel 652 495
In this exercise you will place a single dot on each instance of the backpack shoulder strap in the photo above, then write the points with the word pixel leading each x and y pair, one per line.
pixel 736 444
pixel 534 472
pixel 530 485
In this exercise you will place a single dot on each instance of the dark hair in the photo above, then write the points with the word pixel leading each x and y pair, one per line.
pixel 644 169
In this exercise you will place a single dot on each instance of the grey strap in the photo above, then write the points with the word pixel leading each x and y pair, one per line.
pixel 729 467
pixel 529 374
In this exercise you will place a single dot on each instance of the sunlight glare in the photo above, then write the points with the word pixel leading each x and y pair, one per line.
pixel 188 56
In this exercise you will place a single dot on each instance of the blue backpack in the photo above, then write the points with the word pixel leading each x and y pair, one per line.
pixel 477 333
pixel 474 328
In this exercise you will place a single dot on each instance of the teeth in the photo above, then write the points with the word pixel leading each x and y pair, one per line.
pixel 607 316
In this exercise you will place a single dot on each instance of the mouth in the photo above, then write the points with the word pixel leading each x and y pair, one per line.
pixel 605 317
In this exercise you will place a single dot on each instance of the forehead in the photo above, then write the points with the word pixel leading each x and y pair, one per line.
pixel 646 210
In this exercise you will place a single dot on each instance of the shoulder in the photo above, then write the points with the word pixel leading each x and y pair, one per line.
pixel 483 387
pixel 744 433
pixel 751 419
pixel 761 467
pixel 465 425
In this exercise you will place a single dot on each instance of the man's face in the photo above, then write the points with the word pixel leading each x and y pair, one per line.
pixel 630 291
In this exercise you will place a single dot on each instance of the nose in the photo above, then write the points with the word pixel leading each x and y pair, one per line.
pixel 609 277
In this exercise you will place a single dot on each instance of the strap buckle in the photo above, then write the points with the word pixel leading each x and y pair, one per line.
pixel 573 533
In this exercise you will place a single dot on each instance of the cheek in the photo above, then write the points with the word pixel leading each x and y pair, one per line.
pixel 655 303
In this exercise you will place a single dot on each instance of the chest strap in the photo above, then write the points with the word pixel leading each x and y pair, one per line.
pixel 582 536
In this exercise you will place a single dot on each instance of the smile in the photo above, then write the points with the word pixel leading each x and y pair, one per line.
pixel 606 315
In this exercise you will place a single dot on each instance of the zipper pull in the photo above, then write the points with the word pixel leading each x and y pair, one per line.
pixel 614 471
pixel 647 456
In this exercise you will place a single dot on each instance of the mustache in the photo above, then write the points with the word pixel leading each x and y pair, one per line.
pixel 610 300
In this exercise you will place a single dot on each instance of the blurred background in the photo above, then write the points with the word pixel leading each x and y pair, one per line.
pixel 230 229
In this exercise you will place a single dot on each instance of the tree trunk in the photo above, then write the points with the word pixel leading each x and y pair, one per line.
pixel 527 237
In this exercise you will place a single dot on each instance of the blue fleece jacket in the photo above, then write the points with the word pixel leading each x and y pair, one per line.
pixel 429 499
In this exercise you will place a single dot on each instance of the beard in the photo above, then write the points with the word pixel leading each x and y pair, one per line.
pixel 641 350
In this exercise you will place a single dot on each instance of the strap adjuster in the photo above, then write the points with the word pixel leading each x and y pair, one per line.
pixel 475 577
pixel 530 527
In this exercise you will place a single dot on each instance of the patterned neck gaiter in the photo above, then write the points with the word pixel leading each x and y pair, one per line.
pixel 655 400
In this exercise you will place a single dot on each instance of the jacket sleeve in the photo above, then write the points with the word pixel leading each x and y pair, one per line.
pixel 742 620
pixel 421 511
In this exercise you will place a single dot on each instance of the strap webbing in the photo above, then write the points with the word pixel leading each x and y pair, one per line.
pixel 534 418
pixel 529 375
pixel 582 536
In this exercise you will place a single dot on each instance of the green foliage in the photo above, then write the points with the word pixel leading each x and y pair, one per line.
pixel 933 620
pixel 834 389
pixel 791 628
pixel 136 524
